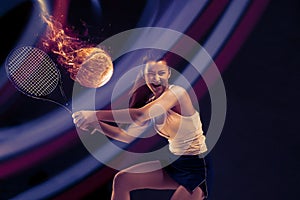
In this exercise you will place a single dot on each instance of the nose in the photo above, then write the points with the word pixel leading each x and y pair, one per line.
pixel 156 78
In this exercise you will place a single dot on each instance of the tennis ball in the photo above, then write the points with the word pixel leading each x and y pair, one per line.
pixel 96 68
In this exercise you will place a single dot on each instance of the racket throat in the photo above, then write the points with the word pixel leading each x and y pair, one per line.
pixel 63 94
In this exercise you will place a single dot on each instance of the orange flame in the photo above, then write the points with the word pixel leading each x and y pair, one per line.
pixel 87 64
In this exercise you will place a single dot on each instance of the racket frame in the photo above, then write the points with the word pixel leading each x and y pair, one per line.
pixel 44 98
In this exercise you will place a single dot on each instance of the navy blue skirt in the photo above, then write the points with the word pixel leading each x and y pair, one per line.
pixel 189 171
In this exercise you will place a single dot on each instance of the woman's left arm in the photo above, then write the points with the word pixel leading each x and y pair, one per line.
pixel 138 115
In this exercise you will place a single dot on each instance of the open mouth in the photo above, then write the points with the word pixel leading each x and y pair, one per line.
pixel 155 85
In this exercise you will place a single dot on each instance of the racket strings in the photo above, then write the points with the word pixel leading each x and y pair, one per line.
pixel 33 71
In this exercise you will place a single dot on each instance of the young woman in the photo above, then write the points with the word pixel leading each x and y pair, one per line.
pixel 175 118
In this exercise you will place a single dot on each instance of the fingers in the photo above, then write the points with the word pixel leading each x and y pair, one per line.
pixel 79 120
pixel 83 119
pixel 76 114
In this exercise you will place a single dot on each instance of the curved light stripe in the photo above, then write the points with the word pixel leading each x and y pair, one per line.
pixel 60 181
pixel 225 26
pixel 34 133
pixel 218 37
pixel 68 177
pixel 243 29
pixel 151 9
pixel 35 156
pixel 188 11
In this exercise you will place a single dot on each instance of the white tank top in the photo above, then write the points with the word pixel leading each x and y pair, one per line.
pixel 184 133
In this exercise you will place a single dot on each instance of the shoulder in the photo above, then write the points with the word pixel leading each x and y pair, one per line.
pixel 177 90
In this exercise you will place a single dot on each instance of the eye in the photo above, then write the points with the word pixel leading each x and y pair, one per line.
pixel 161 73
pixel 151 74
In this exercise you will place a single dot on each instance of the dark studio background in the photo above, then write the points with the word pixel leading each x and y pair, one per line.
pixel 256 156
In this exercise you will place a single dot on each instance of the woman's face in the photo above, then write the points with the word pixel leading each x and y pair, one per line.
pixel 157 75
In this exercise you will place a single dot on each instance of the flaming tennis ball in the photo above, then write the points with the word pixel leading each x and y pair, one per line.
pixel 96 68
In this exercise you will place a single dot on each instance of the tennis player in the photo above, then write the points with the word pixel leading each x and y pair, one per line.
pixel 171 112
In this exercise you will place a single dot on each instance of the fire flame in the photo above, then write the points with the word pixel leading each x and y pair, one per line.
pixel 87 64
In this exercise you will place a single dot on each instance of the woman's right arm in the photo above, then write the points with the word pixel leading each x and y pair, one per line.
pixel 115 132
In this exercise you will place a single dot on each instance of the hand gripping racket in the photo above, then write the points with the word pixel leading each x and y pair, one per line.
pixel 35 74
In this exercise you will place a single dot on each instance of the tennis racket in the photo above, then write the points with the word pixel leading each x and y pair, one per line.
pixel 34 73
